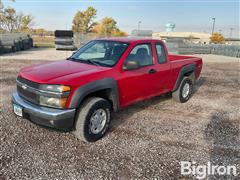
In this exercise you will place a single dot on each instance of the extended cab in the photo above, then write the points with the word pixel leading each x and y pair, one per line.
pixel 105 75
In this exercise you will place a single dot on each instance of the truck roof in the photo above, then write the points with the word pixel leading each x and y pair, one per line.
pixel 129 39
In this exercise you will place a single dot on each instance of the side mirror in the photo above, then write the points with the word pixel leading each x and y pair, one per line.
pixel 131 65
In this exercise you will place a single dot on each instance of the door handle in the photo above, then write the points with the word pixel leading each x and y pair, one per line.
pixel 152 71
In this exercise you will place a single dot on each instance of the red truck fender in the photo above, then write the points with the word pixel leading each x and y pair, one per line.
pixel 106 87
pixel 186 70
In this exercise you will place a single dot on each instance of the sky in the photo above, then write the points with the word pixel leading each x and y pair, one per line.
pixel 187 15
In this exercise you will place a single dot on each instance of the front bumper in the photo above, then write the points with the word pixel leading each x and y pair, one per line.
pixel 50 117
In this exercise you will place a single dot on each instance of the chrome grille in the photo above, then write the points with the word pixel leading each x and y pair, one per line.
pixel 28 82
pixel 26 89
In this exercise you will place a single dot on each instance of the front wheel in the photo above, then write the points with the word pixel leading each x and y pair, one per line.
pixel 92 119
pixel 184 91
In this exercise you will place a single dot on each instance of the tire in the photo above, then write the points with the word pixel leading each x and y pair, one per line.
pixel 1 49
pixel 21 45
pixel 63 33
pixel 64 41
pixel 181 94
pixel 84 128
pixel 27 44
pixel 13 48
pixel 30 42
pixel 65 47
pixel 17 45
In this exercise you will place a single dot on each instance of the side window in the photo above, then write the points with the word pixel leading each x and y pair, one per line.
pixel 160 53
pixel 141 53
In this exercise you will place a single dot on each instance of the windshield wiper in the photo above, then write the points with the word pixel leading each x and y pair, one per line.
pixel 89 61
pixel 77 60
pixel 72 58
pixel 92 62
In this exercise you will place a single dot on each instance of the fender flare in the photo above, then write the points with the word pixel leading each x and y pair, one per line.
pixel 185 69
pixel 94 86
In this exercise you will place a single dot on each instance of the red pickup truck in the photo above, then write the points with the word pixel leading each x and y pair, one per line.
pixel 79 93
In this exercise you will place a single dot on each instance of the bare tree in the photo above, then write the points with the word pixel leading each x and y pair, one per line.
pixel 9 19
pixel 1 14
pixel 1 5
pixel 13 21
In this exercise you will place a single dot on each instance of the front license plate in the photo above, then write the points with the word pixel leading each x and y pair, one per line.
pixel 17 110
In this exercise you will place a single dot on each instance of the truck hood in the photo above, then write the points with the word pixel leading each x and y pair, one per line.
pixel 47 73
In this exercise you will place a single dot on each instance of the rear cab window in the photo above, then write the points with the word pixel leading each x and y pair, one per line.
pixel 161 54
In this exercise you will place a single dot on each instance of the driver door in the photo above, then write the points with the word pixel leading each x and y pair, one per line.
pixel 138 84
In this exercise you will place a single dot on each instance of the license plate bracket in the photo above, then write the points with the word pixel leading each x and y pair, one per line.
pixel 18 110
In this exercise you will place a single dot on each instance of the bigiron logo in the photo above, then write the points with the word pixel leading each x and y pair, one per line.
pixel 202 171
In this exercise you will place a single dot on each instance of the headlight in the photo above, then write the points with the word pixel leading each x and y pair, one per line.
pixel 54 95
pixel 55 88
pixel 53 102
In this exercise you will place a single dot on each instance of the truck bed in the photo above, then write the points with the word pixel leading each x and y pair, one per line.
pixel 180 57
pixel 178 62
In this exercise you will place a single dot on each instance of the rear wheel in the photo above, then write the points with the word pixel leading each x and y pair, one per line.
pixel 92 119
pixel 184 91
pixel 17 45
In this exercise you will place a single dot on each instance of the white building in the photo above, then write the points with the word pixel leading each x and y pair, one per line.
pixel 196 37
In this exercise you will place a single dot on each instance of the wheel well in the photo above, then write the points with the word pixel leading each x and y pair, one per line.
pixel 186 71
pixel 104 93
pixel 191 75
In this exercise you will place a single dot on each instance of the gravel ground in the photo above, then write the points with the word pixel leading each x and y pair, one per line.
pixel 146 140
pixel 38 54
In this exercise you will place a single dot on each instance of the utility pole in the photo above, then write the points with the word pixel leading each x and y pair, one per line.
pixel 139 22
pixel 1 6
pixel 231 30
pixel 214 19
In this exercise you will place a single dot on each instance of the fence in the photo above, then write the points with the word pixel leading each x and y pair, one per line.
pixel 81 39
pixel 226 50
pixel 67 40
pixel 177 46
pixel 181 47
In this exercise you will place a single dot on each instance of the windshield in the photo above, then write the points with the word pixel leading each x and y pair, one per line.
pixel 100 52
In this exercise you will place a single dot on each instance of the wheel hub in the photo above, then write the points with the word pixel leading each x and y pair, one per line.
pixel 98 121
pixel 186 90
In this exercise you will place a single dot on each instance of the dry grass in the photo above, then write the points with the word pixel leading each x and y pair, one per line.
pixel 43 41
pixel 49 39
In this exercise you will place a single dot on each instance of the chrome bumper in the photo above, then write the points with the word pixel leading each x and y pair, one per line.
pixel 55 118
